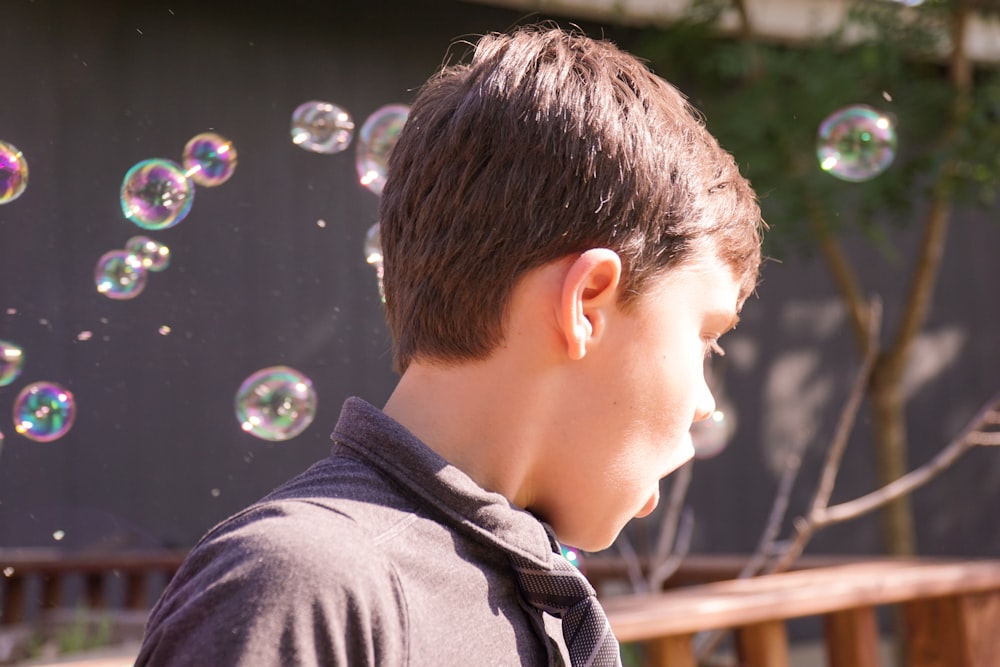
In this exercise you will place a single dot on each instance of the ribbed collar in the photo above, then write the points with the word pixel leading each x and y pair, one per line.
pixel 484 515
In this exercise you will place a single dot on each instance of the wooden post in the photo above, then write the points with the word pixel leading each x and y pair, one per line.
pixel 52 583
pixel 763 644
pixel 954 631
pixel 670 651
pixel 13 599
pixel 852 638
pixel 94 587
pixel 136 590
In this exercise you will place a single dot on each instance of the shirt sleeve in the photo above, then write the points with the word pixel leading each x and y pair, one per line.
pixel 284 584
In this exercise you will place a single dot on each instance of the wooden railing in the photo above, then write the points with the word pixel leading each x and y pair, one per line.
pixel 951 611
pixel 138 576
pixel 951 608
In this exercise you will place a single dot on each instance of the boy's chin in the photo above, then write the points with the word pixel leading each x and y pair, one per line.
pixel 650 505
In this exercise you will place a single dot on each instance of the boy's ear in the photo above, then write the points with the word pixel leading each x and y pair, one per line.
pixel 590 288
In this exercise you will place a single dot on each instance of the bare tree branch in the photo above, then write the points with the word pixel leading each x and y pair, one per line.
pixel 633 566
pixel 668 527
pixel 768 545
pixel 970 436
pixel 664 569
pixel 835 454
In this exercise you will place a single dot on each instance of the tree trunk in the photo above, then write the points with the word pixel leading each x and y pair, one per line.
pixel 889 416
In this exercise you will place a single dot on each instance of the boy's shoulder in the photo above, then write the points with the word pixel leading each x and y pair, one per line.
pixel 290 566
pixel 339 508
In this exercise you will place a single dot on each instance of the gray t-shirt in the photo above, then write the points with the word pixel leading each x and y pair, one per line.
pixel 382 554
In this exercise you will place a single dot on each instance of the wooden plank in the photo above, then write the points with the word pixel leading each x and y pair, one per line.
pixel 763 644
pixel 41 560
pixel 852 638
pixel 953 631
pixel 816 592
pixel 671 651
pixel 698 568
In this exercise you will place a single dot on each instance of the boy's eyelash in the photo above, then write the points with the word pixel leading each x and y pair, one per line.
pixel 713 347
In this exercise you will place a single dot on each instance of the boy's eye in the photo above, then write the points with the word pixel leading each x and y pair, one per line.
pixel 712 347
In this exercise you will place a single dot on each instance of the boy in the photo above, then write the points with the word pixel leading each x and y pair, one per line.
pixel 564 243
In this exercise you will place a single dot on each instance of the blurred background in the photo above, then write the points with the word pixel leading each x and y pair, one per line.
pixel 271 267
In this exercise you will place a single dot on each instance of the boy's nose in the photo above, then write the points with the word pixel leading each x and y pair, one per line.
pixel 706 403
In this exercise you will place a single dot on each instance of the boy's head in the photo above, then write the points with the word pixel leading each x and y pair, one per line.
pixel 545 145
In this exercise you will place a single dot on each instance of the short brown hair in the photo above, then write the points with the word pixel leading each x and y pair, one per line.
pixel 547 143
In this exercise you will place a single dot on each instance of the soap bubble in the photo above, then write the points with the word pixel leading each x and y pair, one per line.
pixel 209 159
pixel 44 411
pixel 276 403
pixel 11 362
pixel 373 245
pixel 376 139
pixel 119 274
pixel 156 194
pixel 710 436
pixel 152 255
pixel 570 554
pixel 373 255
pixel 856 143
pixel 13 173
pixel 321 127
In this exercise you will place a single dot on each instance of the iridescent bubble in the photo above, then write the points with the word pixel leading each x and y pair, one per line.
pixel 275 403
pixel 209 159
pixel 373 255
pixel 44 411
pixel 376 139
pixel 156 194
pixel 321 127
pixel 13 173
pixel 570 554
pixel 11 362
pixel 856 143
pixel 119 274
pixel 152 255
pixel 710 436
pixel 373 245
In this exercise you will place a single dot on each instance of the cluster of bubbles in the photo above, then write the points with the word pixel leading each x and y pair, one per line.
pixel 278 403
pixel 157 194
pixel 13 173
pixel 856 143
pixel 121 274
pixel 43 411
pixel 324 127
pixel 275 403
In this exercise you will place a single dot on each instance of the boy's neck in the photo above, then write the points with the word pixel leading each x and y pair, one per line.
pixel 479 416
